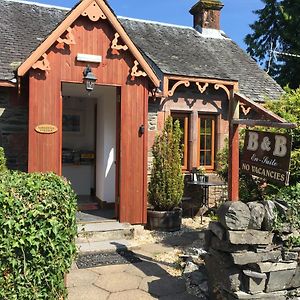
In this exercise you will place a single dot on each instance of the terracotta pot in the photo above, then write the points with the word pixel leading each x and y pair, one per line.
pixel 164 220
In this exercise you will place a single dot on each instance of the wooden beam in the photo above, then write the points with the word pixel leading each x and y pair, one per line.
pixel 264 123
pixel 259 108
pixel 204 80
pixel 4 83
pixel 233 159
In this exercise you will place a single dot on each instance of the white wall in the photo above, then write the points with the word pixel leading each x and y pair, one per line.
pixel 85 107
pixel 106 146
pixel 105 98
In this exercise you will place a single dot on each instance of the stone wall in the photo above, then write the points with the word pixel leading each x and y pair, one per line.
pixel 153 109
pixel 246 262
pixel 14 129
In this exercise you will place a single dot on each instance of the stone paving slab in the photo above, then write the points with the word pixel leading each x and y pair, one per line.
pixel 145 269
pixel 145 280
pixel 131 295
pixel 118 282
pixel 89 292
pixel 105 246
pixel 78 278
pixel 163 286
pixel 103 270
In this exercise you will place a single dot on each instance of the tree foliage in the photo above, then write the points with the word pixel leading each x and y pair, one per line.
pixel 166 183
pixel 278 24
pixel 288 107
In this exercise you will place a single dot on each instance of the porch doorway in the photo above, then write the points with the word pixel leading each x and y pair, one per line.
pixel 89 148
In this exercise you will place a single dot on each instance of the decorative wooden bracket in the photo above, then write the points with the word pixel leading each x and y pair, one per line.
pixel 225 88
pixel 115 46
pixel 42 64
pixel 94 12
pixel 135 72
pixel 176 85
pixel 69 39
pixel 244 109
pixel 203 88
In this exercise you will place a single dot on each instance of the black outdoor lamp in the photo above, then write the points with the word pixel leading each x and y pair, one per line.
pixel 89 78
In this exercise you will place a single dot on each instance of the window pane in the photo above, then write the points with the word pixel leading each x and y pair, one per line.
pixel 202 142
pixel 202 157
pixel 208 126
pixel 208 158
pixel 183 122
pixel 202 126
pixel 208 142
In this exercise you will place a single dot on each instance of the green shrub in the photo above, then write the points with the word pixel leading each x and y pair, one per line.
pixel 3 167
pixel 37 235
pixel 166 183
pixel 291 196
pixel 288 107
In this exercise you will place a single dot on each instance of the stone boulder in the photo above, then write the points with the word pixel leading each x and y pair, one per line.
pixel 257 212
pixel 270 215
pixel 234 215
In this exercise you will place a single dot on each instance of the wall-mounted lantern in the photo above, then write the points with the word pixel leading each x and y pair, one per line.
pixel 89 78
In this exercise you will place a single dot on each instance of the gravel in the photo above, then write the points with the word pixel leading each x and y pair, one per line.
pixel 106 258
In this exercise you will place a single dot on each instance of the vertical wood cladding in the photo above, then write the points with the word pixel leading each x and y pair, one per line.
pixel 45 104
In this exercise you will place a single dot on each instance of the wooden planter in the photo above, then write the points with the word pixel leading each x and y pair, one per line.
pixel 164 220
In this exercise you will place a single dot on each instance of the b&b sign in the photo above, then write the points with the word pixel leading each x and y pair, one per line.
pixel 267 155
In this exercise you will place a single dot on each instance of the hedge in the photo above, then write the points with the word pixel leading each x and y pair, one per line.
pixel 37 235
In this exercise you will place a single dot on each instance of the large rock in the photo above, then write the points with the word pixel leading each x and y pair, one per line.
pixel 254 282
pixel 257 213
pixel 234 215
pixel 270 215
pixel 296 279
pixel 266 267
pixel 221 273
pixel 280 280
pixel 217 229
pixel 225 246
pixel 244 258
pixel 250 237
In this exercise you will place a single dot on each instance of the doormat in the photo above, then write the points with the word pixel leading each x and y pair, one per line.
pixel 107 258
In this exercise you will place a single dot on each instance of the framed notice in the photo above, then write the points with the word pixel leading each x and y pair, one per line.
pixel 267 155
pixel 73 122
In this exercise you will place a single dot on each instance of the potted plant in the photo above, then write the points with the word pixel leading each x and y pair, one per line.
pixel 166 184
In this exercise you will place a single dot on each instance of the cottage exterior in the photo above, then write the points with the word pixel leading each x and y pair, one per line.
pixel 101 140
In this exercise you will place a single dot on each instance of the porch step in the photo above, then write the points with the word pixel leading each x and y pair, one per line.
pixel 105 246
pixel 88 206
pixel 87 203
pixel 104 231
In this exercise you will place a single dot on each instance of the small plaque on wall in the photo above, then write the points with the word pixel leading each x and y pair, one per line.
pixel 46 128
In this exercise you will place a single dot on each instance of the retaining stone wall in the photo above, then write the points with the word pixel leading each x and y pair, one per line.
pixel 245 263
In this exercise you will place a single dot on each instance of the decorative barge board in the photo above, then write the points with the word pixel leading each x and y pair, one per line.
pixel 94 28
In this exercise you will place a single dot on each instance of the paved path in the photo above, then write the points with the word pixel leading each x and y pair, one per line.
pixel 145 280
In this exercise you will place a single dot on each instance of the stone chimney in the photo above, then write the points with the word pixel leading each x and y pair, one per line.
pixel 207 14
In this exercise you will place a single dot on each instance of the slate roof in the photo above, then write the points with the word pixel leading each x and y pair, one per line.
pixel 179 50
pixel 170 49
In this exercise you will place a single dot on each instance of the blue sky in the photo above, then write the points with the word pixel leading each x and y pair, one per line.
pixel 235 20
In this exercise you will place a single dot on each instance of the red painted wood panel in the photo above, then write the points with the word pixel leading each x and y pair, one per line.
pixel 46 107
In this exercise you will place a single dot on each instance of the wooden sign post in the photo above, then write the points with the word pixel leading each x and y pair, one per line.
pixel 269 119
pixel 233 159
